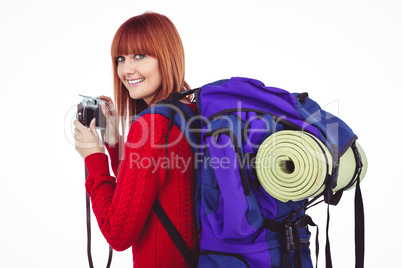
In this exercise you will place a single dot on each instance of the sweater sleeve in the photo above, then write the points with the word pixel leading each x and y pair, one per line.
pixel 114 154
pixel 122 207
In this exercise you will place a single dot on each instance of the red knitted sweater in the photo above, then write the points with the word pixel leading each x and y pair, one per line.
pixel 123 206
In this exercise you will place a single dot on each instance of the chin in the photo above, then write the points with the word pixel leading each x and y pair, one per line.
pixel 134 96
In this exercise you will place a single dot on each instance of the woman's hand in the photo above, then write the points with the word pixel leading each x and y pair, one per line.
pixel 87 141
pixel 112 136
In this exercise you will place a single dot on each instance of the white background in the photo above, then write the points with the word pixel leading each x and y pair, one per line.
pixel 345 53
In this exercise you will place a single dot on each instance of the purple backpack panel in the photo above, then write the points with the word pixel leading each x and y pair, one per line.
pixel 233 205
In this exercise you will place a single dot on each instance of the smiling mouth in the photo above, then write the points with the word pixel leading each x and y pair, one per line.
pixel 135 81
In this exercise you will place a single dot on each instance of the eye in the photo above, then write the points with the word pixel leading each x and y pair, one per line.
pixel 139 56
pixel 120 59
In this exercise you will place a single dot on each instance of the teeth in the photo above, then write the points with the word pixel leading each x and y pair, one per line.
pixel 131 82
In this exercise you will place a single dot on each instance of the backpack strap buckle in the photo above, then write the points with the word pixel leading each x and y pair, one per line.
pixel 290 244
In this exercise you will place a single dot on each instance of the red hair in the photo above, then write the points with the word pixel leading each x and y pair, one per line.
pixel 154 35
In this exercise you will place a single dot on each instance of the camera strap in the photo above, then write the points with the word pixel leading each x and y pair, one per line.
pixel 88 211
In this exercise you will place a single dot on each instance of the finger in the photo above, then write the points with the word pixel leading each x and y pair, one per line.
pixel 112 108
pixel 109 104
pixel 79 126
pixel 77 135
pixel 108 101
pixel 76 131
pixel 105 110
pixel 106 113
pixel 104 98
pixel 78 139
pixel 92 127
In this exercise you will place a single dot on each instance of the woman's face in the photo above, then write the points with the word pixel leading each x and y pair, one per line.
pixel 140 74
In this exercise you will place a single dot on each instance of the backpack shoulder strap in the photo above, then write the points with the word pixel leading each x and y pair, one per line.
pixel 174 234
pixel 181 115
pixel 178 114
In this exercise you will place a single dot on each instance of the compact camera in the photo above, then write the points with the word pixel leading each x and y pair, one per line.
pixel 90 108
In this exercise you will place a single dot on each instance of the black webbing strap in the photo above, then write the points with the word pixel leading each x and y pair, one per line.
pixel 359 227
pixel 159 211
pixel 293 242
pixel 174 98
pixel 174 234
pixel 328 259
pixel 359 213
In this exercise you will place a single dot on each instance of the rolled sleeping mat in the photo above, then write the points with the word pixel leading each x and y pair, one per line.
pixel 292 165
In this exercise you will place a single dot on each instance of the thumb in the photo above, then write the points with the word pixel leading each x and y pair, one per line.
pixel 92 127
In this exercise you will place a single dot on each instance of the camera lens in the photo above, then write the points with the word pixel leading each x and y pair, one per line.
pixel 95 102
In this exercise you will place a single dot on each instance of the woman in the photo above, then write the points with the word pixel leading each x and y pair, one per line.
pixel 148 64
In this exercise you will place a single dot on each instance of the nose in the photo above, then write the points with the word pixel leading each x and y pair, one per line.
pixel 128 66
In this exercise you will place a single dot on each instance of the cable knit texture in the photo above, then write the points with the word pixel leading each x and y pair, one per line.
pixel 123 207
